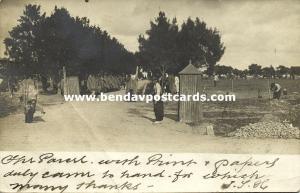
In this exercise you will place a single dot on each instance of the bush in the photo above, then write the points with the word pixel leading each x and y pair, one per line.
pixel 104 83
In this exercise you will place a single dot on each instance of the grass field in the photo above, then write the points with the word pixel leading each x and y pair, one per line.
pixel 248 108
pixel 249 88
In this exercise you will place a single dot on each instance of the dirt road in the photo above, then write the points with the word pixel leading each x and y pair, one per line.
pixel 121 126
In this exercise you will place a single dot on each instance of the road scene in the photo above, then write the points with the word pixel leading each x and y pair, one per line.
pixel 149 96
pixel 53 49
pixel 121 126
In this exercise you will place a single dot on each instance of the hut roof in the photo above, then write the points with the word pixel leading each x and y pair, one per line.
pixel 190 69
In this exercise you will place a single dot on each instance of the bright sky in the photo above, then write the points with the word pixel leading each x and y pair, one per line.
pixel 265 32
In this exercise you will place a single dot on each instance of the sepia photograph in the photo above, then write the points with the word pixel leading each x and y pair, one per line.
pixel 194 76
pixel 149 96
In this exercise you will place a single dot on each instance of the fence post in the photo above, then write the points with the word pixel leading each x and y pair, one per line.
pixel 269 89
pixel 65 80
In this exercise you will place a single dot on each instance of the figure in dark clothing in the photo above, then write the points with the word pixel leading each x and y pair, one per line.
pixel 159 111
pixel 158 105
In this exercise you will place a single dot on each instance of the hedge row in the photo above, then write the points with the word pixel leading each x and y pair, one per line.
pixel 104 83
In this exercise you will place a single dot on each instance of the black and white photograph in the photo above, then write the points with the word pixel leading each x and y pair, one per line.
pixel 180 76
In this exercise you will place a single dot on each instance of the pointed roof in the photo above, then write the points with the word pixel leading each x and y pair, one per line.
pixel 190 69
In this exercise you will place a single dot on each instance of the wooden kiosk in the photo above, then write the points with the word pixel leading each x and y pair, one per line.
pixel 190 83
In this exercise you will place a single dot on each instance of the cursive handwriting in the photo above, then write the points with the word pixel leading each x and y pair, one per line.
pixel 27 186
pixel 93 172
pixel 47 158
pixel 92 185
pixel 158 160
pixel 133 161
pixel 238 178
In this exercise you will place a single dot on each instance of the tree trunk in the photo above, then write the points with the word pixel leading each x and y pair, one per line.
pixel 44 83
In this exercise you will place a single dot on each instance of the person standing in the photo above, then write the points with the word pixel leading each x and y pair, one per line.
pixel 158 104
pixel 131 86
pixel 216 79
pixel 177 84
pixel 30 97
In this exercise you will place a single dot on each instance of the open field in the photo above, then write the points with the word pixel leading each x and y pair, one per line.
pixel 249 88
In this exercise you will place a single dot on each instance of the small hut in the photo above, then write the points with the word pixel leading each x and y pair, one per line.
pixel 70 84
pixel 190 84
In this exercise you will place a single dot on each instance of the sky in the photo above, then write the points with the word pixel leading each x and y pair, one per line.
pixel 266 32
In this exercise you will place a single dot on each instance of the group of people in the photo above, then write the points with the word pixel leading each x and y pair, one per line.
pixel 29 95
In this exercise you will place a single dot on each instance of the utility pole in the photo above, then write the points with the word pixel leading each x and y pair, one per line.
pixel 65 80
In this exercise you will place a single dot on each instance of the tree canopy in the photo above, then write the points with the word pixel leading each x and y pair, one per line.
pixel 255 69
pixel 43 45
pixel 166 48
pixel 21 46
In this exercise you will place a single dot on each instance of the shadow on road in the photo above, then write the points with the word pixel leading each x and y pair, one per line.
pixel 38 119
pixel 173 117
pixel 149 118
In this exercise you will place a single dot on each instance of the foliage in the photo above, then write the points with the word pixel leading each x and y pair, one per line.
pixel 282 70
pixel 254 69
pixel 104 83
pixel 165 48
pixel 158 50
pixel 221 69
pixel 22 43
pixel 43 45
pixel 268 72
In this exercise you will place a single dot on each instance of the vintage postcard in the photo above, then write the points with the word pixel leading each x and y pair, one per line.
pixel 149 96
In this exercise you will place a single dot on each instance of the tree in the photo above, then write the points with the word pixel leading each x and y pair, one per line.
pixel 223 70
pixel 245 73
pixel 200 44
pixel 158 50
pixel 254 69
pixel 22 43
pixel 237 72
pixel 44 45
pixel 83 48
pixel 282 70
pixel 168 49
pixel 57 48
pixel 268 72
